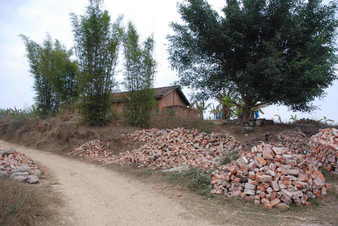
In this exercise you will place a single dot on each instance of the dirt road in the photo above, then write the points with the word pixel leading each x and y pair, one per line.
pixel 96 196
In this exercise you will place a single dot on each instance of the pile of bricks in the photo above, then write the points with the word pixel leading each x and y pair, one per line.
pixel 93 150
pixel 324 149
pixel 270 175
pixel 165 149
pixel 18 166
pixel 296 141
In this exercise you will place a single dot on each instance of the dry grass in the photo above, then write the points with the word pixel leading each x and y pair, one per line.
pixel 170 121
pixel 26 205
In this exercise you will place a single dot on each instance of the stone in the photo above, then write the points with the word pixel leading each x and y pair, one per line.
pixel 19 178
pixel 22 168
pixel 264 178
pixel 286 196
pixel 271 172
pixel 294 172
pixel 318 182
pixel 6 152
pixel 32 179
pixel 267 152
pixel 176 169
pixel 36 172
pixel 247 129
pixel 250 186
pixel 279 150
pixel 260 161
pixel 249 192
pixel 275 185
pixel 15 174
pixel 257 202
pixel 275 202
pixel 3 174
pixel 282 206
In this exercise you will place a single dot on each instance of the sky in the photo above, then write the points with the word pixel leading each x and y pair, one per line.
pixel 37 18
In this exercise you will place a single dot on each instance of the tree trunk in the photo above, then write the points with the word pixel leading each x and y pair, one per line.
pixel 226 112
pixel 246 115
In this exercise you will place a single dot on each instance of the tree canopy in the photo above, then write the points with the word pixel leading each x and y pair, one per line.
pixel 139 77
pixel 55 74
pixel 97 43
pixel 263 51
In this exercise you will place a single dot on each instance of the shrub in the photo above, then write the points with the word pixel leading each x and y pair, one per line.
pixel 196 180
pixel 19 114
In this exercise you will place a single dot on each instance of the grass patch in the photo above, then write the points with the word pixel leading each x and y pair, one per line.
pixel 330 177
pixel 232 156
pixel 195 179
pixel 24 205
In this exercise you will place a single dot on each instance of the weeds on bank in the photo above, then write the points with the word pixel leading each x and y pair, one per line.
pixel 19 114
pixel 171 121
pixel 21 205
pixel 195 179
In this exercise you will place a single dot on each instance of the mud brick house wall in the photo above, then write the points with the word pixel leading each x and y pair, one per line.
pixel 169 98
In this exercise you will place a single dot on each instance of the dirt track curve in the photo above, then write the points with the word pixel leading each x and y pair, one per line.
pixel 96 196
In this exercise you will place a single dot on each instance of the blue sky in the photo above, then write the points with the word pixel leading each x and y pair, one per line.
pixel 36 18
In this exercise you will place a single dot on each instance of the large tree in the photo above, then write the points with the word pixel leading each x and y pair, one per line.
pixel 97 43
pixel 54 73
pixel 264 51
pixel 139 77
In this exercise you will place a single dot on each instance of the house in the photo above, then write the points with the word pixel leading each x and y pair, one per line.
pixel 169 98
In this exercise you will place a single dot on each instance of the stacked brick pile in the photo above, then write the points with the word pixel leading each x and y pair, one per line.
pixel 93 150
pixel 166 149
pixel 270 175
pixel 324 149
pixel 296 141
pixel 18 166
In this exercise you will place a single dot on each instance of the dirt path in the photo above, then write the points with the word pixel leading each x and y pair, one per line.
pixel 97 196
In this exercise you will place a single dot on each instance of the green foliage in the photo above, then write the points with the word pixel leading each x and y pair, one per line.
pixel 195 179
pixel 139 107
pixel 139 77
pixel 199 102
pixel 294 118
pixel 97 46
pixel 326 120
pixel 16 113
pixel 279 118
pixel 54 74
pixel 263 52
